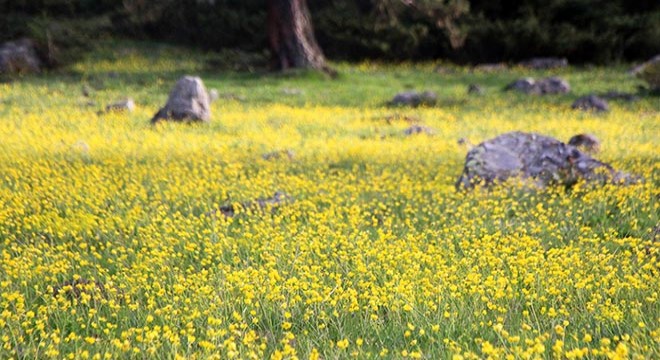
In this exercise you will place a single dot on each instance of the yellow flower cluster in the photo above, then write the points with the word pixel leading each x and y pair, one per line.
pixel 111 245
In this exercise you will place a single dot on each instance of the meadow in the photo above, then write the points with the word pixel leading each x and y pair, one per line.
pixel 110 245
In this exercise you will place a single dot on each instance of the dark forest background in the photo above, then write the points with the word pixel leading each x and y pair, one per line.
pixel 475 31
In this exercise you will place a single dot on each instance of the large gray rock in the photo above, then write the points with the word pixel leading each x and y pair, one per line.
pixel 414 98
pixel 532 157
pixel 543 63
pixel 591 103
pixel 19 57
pixel 649 72
pixel 188 101
pixel 550 85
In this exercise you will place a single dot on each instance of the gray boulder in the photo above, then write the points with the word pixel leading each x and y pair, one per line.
pixel 414 98
pixel 188 101
pixel 19 57
pixel 591 103
pixel 649 72
pixel 540 159
pixel 544 63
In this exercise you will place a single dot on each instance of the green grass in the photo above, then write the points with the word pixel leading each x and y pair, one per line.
pixel 377 247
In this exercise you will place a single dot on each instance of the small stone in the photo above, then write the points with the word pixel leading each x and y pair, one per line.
pixel 81 146
pixel 475 89
pixel 552 85
pixel 399 117
pixel 465 142
pixel 586 142
pixel 275 155
pixel 122 105
pixel 278 199
pixel 86 90
pixel 418 129
pixel 414 98
pixel 591 103
pixel 74 288
pixel 523 85
pixel 213 95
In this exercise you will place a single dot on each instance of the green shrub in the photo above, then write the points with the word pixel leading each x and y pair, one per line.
pixel 595 31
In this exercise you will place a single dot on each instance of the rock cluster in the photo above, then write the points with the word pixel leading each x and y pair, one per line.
pixel 550 85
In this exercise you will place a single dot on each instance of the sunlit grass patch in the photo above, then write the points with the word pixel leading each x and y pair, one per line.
pixel 375 255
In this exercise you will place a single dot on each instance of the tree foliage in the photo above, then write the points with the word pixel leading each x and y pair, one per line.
pixel 461 30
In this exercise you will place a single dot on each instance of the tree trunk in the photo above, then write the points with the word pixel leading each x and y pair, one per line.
pixel 291 36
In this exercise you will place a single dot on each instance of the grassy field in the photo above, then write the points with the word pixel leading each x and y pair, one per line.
pixel 110 246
